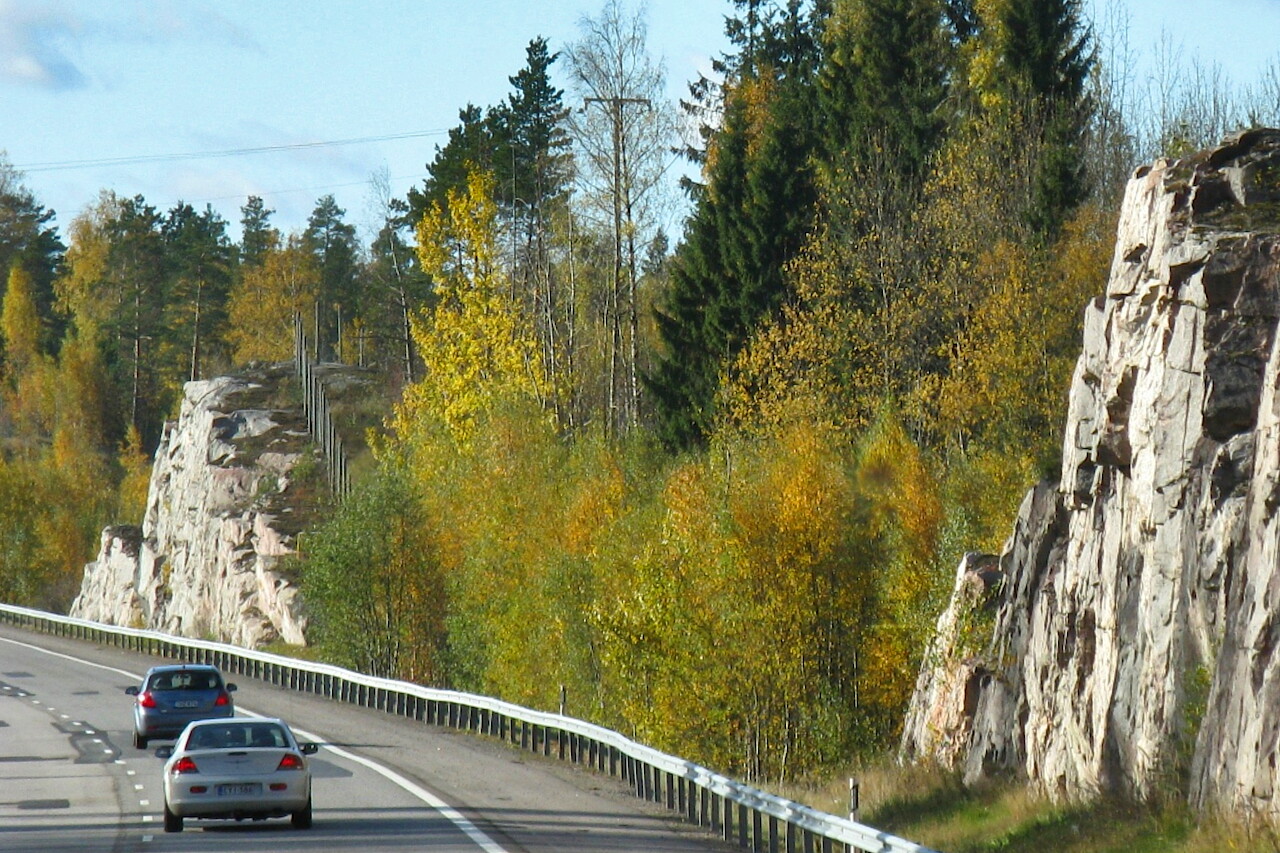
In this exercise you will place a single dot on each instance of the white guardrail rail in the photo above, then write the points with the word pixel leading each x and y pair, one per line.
pixel 736 812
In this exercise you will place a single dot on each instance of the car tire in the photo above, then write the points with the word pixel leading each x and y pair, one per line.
pixel 139 741
pixel 172 822
pixel 302 819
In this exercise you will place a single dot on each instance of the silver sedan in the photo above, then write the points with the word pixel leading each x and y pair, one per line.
pixel 233 769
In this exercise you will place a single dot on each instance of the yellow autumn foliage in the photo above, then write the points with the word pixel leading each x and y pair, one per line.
pixel 477 344
pixel 265 300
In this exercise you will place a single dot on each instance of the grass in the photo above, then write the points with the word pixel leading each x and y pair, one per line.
pixel 929 805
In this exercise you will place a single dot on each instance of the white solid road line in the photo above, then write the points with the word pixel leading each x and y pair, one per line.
pixel 446 811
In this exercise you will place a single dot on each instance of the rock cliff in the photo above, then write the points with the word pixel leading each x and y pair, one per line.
pixel 1125 640
pixel 228 487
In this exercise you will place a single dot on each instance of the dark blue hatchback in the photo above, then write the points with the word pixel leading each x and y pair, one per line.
pixel 173 695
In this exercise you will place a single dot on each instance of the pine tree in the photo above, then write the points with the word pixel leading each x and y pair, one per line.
pixel 257 235
pixel 472 145
pixel 135 289
pixel 332 242
pixel 200 256
pixel 533 169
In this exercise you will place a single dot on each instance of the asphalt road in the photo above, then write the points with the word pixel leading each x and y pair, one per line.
pixel 70 779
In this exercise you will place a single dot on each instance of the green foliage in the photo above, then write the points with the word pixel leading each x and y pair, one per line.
pixel 882 85
pixel 257 235
pixel 372 583
pixel 199 271
pixel 331 242
pixel 748 223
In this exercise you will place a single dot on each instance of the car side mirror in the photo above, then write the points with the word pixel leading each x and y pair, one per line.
pixel 132 690
pixel 231 688
pixel 308 748
pixel 165 752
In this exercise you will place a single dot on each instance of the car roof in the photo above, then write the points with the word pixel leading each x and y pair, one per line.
pixel 180 667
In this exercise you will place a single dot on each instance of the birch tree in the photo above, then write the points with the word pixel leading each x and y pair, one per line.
pixel 624 130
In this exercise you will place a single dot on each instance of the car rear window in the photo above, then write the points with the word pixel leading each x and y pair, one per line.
pixel 185 681
pixel 237 736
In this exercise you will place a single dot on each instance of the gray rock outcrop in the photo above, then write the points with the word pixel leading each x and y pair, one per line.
pixel 222 510
pixel 1129 643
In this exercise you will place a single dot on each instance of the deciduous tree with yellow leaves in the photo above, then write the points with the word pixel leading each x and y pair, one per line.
pixel 477 344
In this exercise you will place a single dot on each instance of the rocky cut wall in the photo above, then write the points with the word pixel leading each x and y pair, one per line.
pixel 222 512
pixel 1125 639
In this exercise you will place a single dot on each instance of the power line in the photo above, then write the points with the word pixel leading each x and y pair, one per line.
pixel 67 165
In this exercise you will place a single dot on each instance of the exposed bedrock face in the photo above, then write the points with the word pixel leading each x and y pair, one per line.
pixel 1129 646
pixel 220 517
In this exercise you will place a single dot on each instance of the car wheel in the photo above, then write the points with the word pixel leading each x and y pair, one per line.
pixel 172 822
pixel 302 819
pixel 139 741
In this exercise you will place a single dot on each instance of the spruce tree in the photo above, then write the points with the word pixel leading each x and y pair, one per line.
pixel 883 83
pixel 1044 58
pixel 472 145
pixel 750 219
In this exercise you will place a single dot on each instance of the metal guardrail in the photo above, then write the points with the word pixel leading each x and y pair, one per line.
pixel 736 812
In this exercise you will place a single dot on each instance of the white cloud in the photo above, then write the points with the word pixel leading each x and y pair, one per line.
pixel 48 44
pixel 39 46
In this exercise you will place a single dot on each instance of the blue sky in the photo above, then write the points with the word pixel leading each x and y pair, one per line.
pixel 92 80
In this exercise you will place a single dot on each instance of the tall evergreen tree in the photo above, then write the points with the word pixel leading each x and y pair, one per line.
pixel 257 237
pixel 1041 54
pixel 200 257
pixel 534 167
pixel 750 219
pixel 123 298
pixel 472 145
pixel 332 242
pixel 882 85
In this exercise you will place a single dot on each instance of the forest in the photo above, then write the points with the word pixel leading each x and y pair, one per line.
pixel 714 484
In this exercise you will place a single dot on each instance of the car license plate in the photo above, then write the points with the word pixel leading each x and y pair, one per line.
pixel 187 703
pixel 239 790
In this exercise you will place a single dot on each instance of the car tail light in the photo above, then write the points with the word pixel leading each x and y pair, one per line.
pixel 223 700
pixel 146 700
pixel 184 765
pixel 291 762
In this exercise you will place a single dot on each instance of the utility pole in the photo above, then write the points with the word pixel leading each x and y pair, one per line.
pixel 621 202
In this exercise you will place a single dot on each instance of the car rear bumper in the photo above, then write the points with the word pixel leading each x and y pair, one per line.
pixel 268 804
